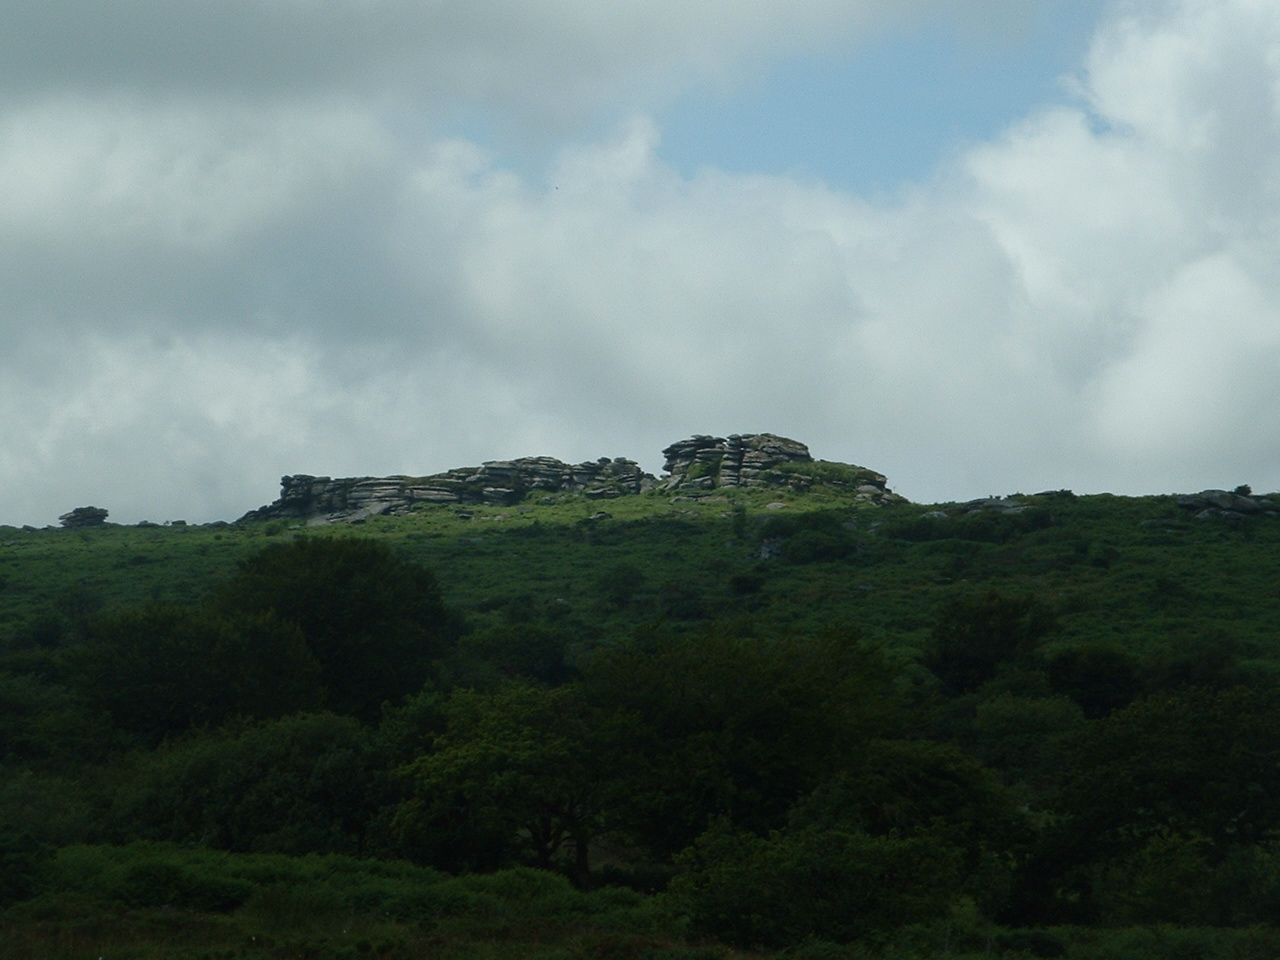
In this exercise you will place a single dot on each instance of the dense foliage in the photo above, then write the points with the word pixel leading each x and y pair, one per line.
pixel 694 728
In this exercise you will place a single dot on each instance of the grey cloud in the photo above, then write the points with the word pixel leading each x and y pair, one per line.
pixel 204 290
pixel 537 63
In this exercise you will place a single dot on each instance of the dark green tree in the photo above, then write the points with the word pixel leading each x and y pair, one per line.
pixel 736 726
pixel 522 769
pixel 1098 678
pixel 794 885
pixel 374 621
pixel 160 670
pixel 1194 763
pixel 974 636
pixel 21 856
pixel 509 651
pixel 306 783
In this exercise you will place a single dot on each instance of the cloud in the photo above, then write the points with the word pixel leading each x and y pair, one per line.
pixel 542 62
pixel 219 270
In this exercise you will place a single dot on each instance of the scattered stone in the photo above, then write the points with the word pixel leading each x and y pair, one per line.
pixel 1225 504
pixel 998 504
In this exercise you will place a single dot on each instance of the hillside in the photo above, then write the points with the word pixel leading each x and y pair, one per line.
pixel 813 543
pixel 1028 709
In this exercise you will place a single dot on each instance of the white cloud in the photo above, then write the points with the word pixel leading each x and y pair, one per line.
pixel 204 289
pixel 112 171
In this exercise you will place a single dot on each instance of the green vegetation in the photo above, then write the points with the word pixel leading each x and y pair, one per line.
pixel 751 722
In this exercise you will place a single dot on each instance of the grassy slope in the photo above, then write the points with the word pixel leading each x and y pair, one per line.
pixel 1138 572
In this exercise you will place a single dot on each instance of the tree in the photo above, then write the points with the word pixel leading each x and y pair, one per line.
pixel 1098 678
pixel 508 651
pixel 162 669
pixel 736 726
pixel 1195 763
pixel 374 621
pixel 521 769
pixel 306 783
pixel 975 635
pixel 793 885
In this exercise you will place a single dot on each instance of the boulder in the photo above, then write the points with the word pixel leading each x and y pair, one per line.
pixel 84 517
pixel 1224 503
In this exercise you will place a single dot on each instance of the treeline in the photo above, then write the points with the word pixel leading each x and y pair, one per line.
pixel 750 787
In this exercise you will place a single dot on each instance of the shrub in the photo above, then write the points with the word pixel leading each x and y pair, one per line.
pixel 975 635
pixel 162 669
pixel 836 885
pixel 375 622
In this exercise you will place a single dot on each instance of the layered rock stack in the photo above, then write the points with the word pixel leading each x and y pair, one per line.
pixel 700 463
pixel 704 462
pixel 84 517
pixel 764 459
pixel 496 483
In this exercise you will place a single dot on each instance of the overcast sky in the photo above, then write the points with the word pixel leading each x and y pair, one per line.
pixel 982 246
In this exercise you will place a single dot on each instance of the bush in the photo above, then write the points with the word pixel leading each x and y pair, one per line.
pixel 1098 678
pixel 302 784
pixel 163 669
pixel 784 889
pixel 375 622
pixel 21 857
pixel 975 635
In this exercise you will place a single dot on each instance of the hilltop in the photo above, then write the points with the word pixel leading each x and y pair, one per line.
pixel 700 463
pixel 201 725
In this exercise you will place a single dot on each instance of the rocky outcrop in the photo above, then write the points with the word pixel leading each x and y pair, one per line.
pixel 763 459
pixel 496 482
pixel 84 517
pixel 699 463
pixel 1225 503
pixel 704 462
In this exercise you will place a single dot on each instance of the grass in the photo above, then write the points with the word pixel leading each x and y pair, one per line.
pixel 1139 574
pixel 1135 572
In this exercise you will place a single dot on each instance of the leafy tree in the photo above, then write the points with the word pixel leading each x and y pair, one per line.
pixel 375 622
pixel 21 857
pixel 307 783
pixel 1147 792
pixel 1195 763
pixel 736 726
pixel 975 635
pixel 1022 736
pixel 1099 678
pixel 620 583
pixel 46 724
pixel 522 768
pixel 1184 880
pixel 907 787
pixel 833 884
pixel 163 669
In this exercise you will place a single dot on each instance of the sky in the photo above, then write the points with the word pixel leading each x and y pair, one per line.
pixel 980 246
